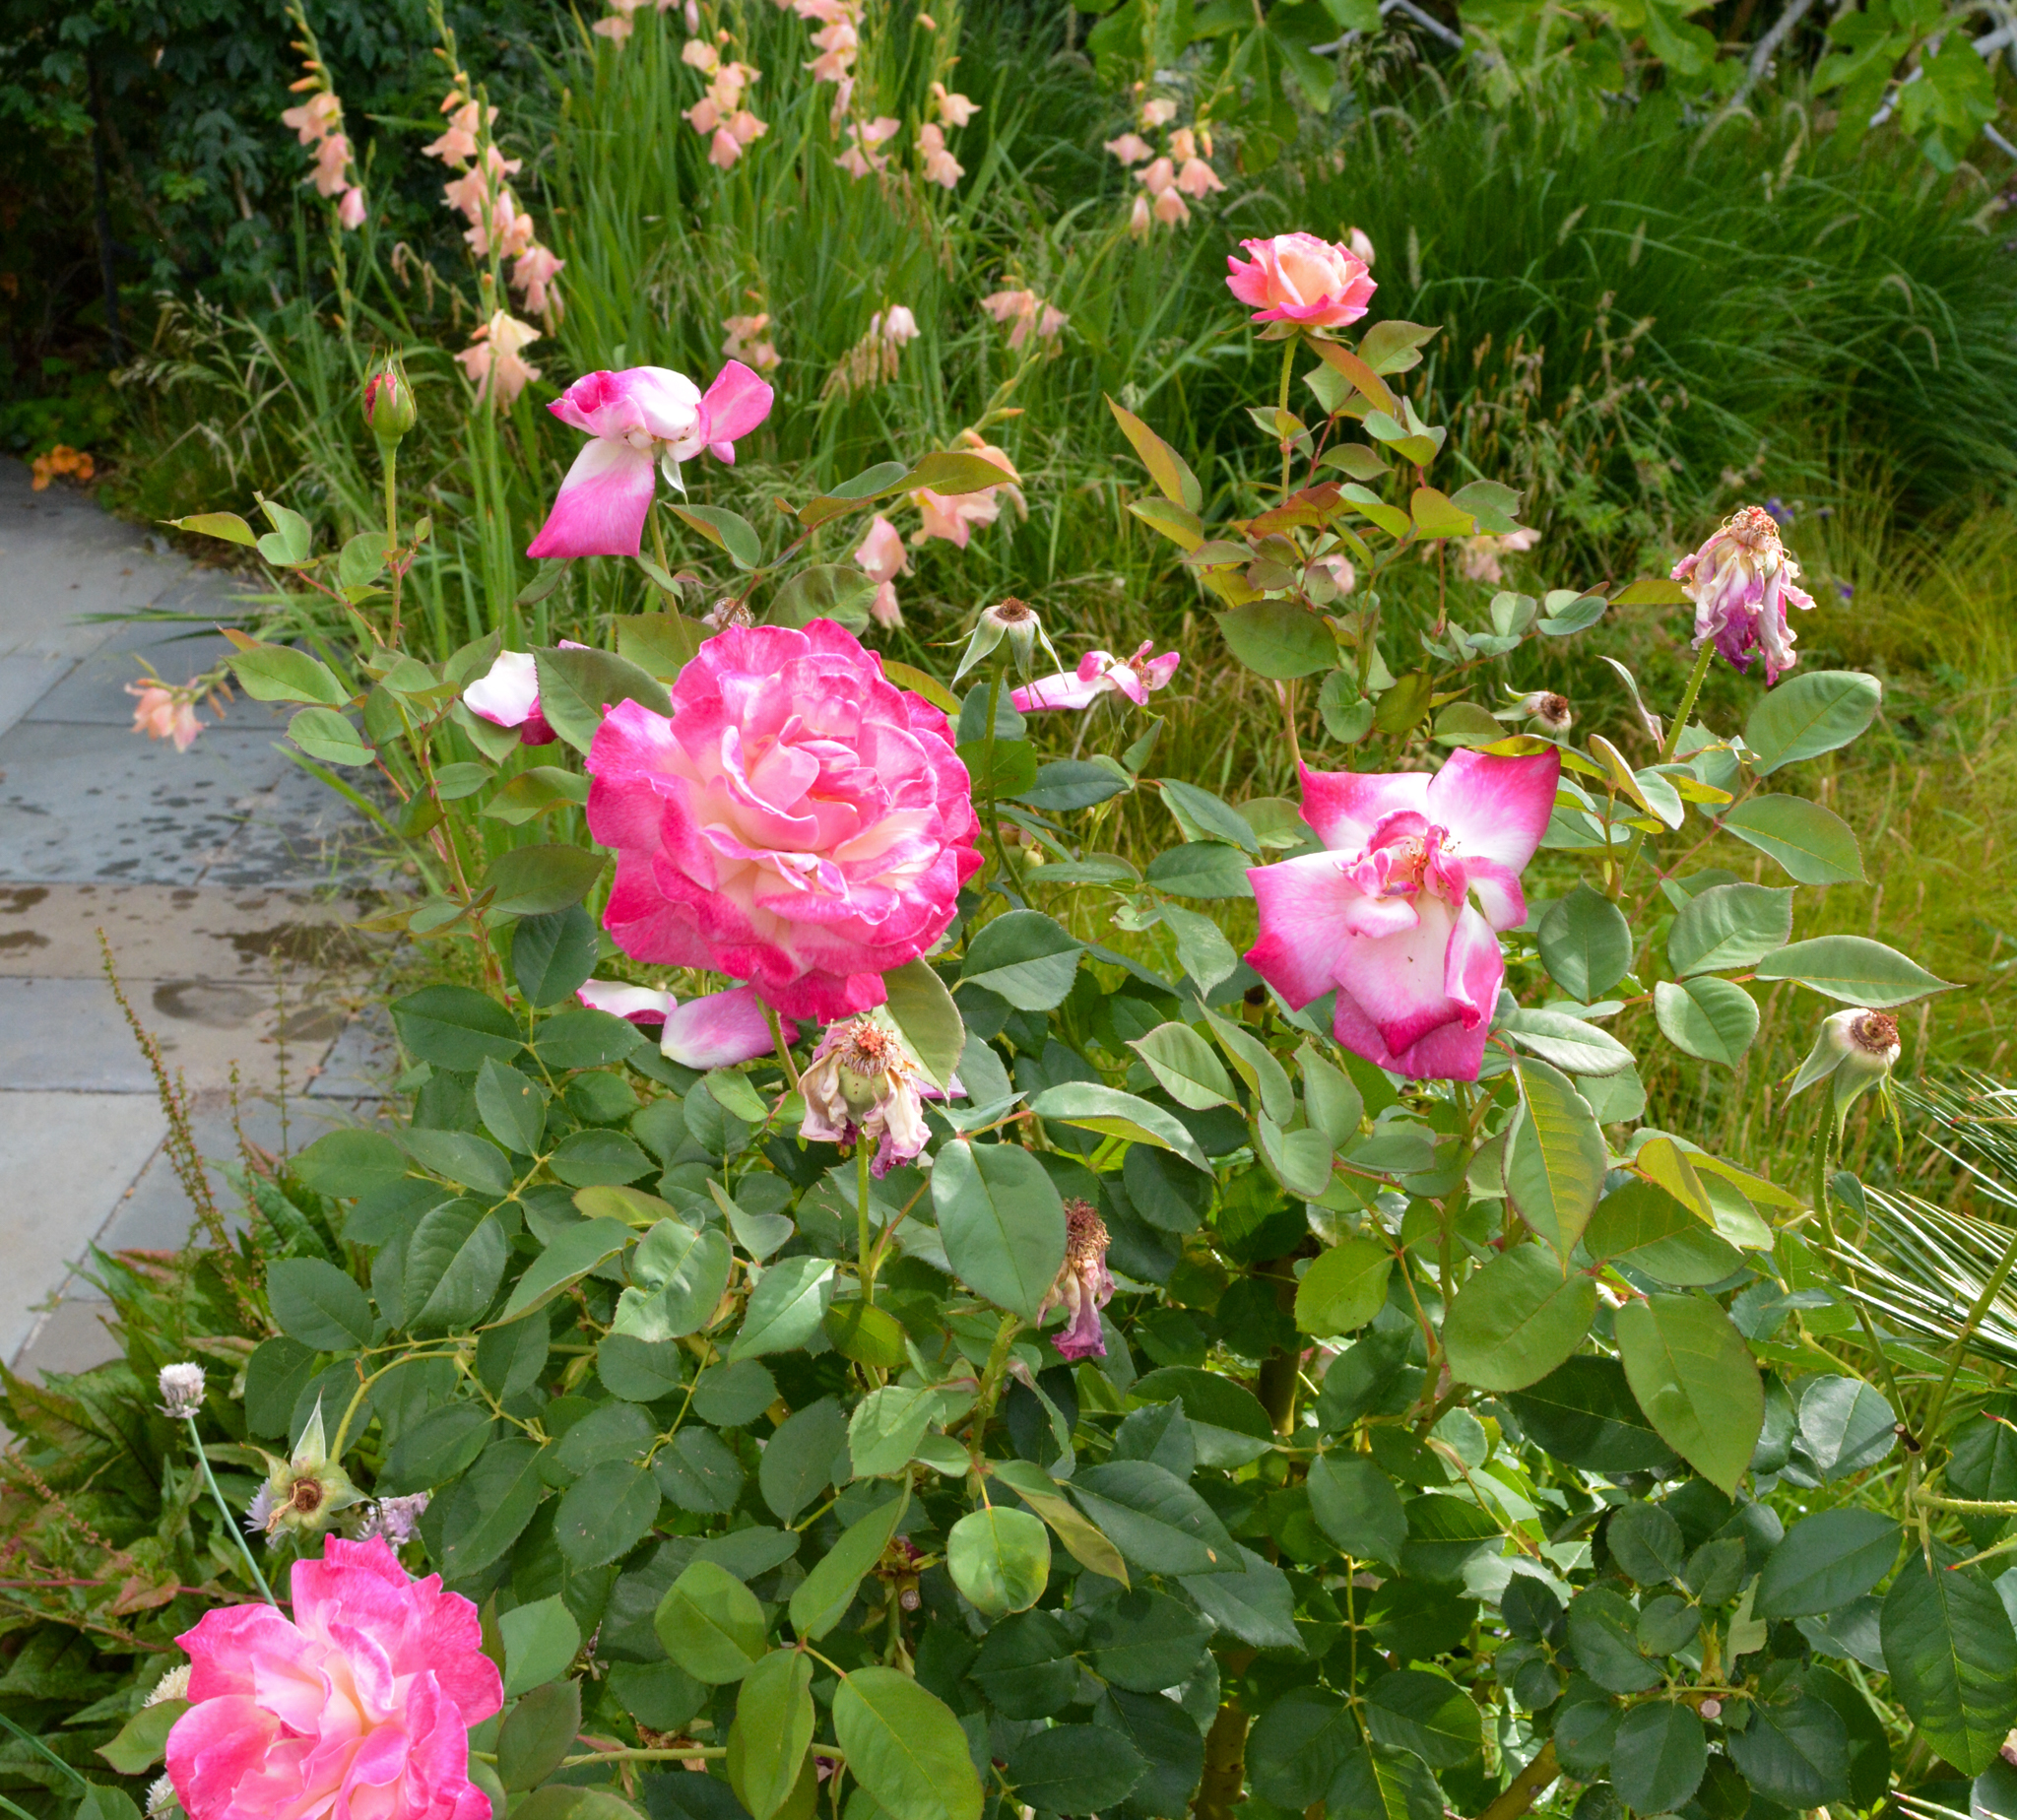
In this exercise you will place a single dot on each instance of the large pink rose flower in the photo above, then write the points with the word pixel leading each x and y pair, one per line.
pixel 1298 278
pixel 799 822
pixel 1385 916
pixel 361 1706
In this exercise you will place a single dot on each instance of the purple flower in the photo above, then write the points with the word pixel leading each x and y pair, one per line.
pixel 1781 514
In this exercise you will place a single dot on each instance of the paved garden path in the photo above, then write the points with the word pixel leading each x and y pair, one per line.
pixel 216 877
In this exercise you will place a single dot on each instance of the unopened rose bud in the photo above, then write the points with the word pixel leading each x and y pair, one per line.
pixel 304 1494
pixel 389 409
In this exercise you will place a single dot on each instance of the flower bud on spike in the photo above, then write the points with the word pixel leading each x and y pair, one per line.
pixel 389 409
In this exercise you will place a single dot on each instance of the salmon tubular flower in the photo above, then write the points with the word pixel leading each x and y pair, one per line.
pixel 1742 581
pixel 1386 917
pixel 639 419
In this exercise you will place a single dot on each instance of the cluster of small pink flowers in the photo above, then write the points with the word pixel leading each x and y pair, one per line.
pixel 486 202
pixel 1182 170
pixel 937 162
pixel 861 158
pixel 1025 313
pixel 719 116
pixel 617 25
pixel 839 42
pixel 162 711
pixel 318 122
pixel 749 340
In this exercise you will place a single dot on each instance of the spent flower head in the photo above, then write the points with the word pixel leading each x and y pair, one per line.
pixel 181 1388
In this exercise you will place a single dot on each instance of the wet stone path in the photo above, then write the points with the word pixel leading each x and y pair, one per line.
pixel 219 879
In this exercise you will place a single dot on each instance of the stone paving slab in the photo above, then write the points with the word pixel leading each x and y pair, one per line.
pixel 69 1157
pixel 221 877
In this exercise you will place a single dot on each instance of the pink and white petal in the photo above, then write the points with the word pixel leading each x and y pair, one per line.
pixel 602 504
pixel 1495 808
pixel 1473 969
pixel 1345 807
pixel 720 1030
pixel 1380 916
pixel 1303 904
pixel 1398 979
pixel 1062 691
pixel 639 1003
pixel 508 692
pixel 1450 1053
pixel 735 404
pixel 1498 892
pixel 667 402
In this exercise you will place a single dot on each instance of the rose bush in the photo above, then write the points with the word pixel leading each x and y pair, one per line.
pixel 1094 1372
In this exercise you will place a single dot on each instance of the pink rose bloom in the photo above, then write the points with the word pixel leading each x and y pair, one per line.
pixel 1743 580
pixel 638 419
pixel 1131 148
pixel 799 822
pixel 1386 917
pixel 1099 673
pixel 719 1030
pixel 361 1705
pixel 1298 278
pixel 349 212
